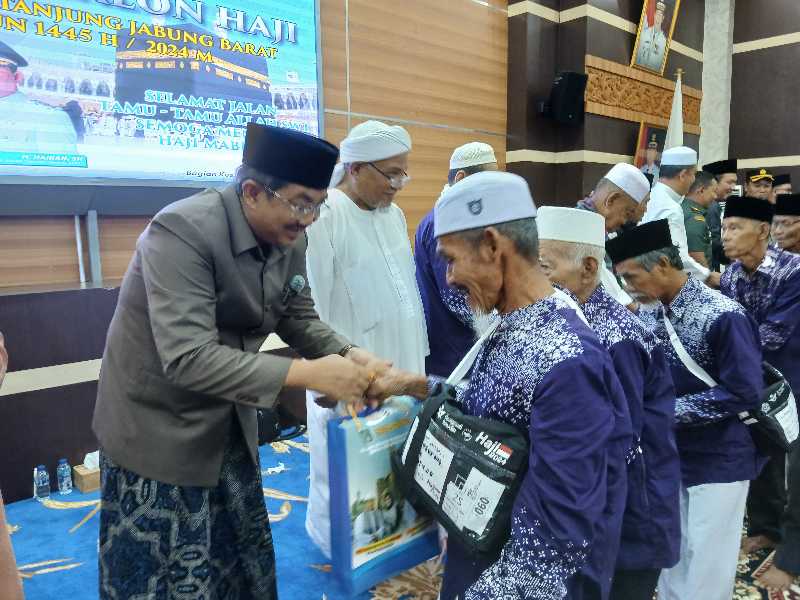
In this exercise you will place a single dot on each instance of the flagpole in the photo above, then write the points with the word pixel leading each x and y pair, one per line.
pixel 675 129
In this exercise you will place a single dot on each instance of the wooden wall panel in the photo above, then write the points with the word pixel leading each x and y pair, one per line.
pixel 118 237
pixel 334 56
pixel 38 251
pixel 442 75
pixel 444 62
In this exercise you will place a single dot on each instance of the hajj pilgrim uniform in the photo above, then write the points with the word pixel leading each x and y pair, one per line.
pixel 771 295
pixel 718 456
pixel 540 367
pixel 449 320
pixel 650 529
pixel 633 182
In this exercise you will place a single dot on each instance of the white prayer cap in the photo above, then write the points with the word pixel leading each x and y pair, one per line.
pixel 373 140
pixel 480 200
pixel 571 225
pixel 678 157
pixel 370 141
pixel 630 180
pixel 472 155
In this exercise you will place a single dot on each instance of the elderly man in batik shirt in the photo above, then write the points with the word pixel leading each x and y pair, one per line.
pixel 572 250
pixel 766 281
pixel 713 351
pixel 620 197
pixel 542 370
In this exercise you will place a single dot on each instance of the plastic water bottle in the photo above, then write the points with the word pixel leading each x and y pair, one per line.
pixel 64 474
pixel 42 483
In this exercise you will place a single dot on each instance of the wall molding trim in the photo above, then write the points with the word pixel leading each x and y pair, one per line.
pixel 769 162
pixel 622 92
pixel 357 115
pixel 588 11
pixel 563 158
pixel 764 43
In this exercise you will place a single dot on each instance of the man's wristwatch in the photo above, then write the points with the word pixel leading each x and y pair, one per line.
pixel 343 352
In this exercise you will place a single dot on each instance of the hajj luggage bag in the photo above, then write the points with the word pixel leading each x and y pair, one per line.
pixel 466 471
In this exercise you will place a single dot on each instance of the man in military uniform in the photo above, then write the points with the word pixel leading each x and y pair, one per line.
pixel 27 125
pixel 758 184
pixel 695 206
pixel 727 179
pixel 653 42
pixel 182 377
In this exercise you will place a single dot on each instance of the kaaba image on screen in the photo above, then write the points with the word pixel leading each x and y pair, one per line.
pixel 208 73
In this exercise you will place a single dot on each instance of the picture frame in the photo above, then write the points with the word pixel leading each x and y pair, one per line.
pixel 654 36
pixel 649 146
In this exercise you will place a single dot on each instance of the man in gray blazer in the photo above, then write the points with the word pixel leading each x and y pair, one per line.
pixel 213 275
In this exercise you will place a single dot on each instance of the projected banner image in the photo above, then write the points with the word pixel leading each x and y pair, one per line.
pixel 150 89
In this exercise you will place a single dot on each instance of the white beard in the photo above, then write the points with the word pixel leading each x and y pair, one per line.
pixel 482 320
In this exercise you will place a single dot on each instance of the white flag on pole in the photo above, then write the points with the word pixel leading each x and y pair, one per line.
pixel 675 130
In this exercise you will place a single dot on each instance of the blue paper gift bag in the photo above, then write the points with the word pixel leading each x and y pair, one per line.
pixel 375 532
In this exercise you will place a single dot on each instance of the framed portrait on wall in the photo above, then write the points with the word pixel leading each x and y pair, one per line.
pixel 655 34
pixel 649 147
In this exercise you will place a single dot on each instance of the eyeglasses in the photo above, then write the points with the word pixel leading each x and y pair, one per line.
pixel 397 182
pixel 299 210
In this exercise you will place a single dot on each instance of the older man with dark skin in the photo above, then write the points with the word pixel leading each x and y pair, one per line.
pixel 571 253
pixel 702 333
pixel 786 223
pixel 10 583
pixel 765 279
pixel 537 370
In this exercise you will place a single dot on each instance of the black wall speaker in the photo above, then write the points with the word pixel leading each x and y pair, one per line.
pixel 566 97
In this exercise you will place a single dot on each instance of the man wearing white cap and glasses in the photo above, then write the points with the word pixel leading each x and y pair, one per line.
pixel 361 273
pixel 678 168
pixel 619 197
pixel 572 250
pixel 449 320
pixel 540 368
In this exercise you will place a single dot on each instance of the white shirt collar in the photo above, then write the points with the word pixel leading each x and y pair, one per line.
pixel 670 193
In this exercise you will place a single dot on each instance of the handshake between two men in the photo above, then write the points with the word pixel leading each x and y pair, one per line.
pixel 359 378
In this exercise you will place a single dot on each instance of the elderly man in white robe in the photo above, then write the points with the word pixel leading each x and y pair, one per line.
pixel 678 169
pixel 361 273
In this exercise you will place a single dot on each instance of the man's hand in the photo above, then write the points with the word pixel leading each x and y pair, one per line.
pixel 376 366
pixel 713 280
pixel 3 358
pixel 396 382
pixel 392 382
pixel 776 579
pixel 337 378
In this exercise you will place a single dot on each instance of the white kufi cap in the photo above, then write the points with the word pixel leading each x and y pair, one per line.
pixel 472 155
pixel 369 141
pixel 572 225
pixel 678 157
pixel 630 180
pixel 480 200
